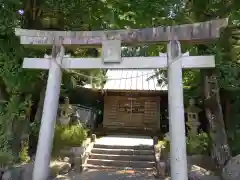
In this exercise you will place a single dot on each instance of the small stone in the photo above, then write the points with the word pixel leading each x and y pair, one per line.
pixel 78 164
pixel 12 174
pixel 78 151
pixel 93 138
pixel 199 173
pixel 7 175
pixel 203 161
pixel 65 168
pixel 232 170
pixel 66 159
pixel 27 172
pixel 161 169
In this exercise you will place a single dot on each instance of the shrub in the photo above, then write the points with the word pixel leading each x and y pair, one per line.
pixel 68 136
pixel 6 158
pixel 6 155
pixel 23 155
pixel 164 144
pixel 198 144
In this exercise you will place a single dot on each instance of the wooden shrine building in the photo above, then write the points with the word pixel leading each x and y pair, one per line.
pixel 132 100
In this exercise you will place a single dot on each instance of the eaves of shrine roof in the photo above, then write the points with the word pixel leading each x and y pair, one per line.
pixel 132 79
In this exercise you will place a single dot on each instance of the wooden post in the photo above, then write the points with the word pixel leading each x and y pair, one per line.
pixel 176 113
pixel 44 148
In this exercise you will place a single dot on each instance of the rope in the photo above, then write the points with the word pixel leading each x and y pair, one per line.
pixel 61 54
pixel 97 78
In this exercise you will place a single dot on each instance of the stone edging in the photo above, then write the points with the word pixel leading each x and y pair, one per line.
pixel 81 154
pixel 160 165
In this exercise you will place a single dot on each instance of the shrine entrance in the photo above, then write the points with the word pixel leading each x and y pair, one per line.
pixel 111 42
pixel 132 112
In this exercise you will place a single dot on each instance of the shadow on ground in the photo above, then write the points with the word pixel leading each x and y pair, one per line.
pixel 108 175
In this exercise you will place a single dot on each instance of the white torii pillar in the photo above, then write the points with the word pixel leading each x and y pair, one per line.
pixel 178 155
pixel 176 109
pixel 48 121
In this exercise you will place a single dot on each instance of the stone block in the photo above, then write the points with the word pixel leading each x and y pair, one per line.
pixel 111 51
pixel 232 169
pixel 93 138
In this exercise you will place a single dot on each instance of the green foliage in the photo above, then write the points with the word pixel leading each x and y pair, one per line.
pixel 19 87
pixel 6 155
pixel 23 155
pixel 195 145
pixel 164 144
pixel 68 136
pixel 198 144
pixel 233 126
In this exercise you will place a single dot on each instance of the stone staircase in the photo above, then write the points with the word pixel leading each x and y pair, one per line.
pixel 100 131
pixel 116 156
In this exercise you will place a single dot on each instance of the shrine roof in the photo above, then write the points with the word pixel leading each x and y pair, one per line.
pixel 132 79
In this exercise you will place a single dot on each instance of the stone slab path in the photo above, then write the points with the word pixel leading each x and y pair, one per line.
pixel 115 174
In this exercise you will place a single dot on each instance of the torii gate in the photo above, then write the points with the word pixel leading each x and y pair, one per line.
pixel 111 58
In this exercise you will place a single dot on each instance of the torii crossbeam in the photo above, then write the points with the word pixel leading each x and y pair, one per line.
pixel 174 62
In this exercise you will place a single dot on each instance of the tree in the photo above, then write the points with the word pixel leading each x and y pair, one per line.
pixel 18 86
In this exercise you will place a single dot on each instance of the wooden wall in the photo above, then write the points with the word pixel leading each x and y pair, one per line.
pixel 132 112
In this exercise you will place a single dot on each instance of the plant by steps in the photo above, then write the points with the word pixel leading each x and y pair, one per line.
pixel 198 144
pixel 68 136
pixel 164 144
pixel 195 144
pixel 23 155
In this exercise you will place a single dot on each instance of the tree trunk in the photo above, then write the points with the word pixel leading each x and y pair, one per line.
pixel 220 148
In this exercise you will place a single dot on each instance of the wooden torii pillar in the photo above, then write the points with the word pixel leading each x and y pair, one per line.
pixel 111 43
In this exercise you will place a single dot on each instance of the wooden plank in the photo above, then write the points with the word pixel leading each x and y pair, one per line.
pixel 194 33
pixel 127 63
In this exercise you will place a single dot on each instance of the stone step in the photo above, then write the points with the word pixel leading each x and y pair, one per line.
pixel 122 151
pixel 123 157
pixel 137 147
pixel 121 163
pixel 99 167
pixel 103 131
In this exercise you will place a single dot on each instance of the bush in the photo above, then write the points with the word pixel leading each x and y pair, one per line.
pixel 6 158
pixel 195 145
pixel 23 155
pixel 198 144
pixel 164 144
pixel 68 136
pixel 6 155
